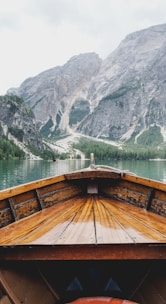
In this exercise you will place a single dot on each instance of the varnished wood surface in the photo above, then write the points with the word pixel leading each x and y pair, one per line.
pixel 144 181
pixel 10 192
pixel 87 220
pixel 85 173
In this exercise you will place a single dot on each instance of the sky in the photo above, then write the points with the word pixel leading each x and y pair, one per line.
pixel 36 35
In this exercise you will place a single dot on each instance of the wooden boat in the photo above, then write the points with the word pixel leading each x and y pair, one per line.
pixel 96 235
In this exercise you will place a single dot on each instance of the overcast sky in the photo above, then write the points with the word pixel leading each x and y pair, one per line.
pixel 36 35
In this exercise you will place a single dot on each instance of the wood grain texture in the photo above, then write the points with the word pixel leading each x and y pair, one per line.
pixel 87 220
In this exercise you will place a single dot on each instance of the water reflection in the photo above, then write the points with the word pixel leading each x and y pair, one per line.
pixel 15 172
pixel 152 169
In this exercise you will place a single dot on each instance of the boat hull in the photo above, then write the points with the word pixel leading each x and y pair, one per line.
pixel 90 233
pixel 49 282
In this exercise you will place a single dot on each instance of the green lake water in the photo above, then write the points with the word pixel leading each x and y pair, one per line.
pixel 15 172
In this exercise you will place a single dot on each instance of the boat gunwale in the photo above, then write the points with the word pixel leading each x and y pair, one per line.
pixel 80 174
pixel 20 189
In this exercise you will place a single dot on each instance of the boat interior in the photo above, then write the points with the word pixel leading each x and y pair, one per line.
pixel 87 233
pixel 50 282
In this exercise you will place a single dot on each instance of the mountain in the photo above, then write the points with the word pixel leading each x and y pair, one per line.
pixel 51 94
pixel 17 123
pixel 128 94
pixel 120 98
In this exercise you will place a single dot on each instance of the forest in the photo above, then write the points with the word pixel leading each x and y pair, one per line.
pixel 9 150
pixel 103 151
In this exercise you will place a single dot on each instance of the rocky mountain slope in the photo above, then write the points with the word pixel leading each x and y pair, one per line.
pixel 120 98
pixel 17 122
pixel 51 94
pixel 128 94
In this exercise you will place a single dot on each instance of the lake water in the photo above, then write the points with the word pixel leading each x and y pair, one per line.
pixel 15 172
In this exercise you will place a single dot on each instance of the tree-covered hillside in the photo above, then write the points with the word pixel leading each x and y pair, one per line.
pixel 17 122
pixel 9 150
pixel 103 151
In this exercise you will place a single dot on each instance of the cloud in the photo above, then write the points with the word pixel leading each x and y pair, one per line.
pixel 10 14
pixel 107 21
pixel 38 34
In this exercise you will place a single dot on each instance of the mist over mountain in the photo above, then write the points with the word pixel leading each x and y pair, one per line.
pixel 120 98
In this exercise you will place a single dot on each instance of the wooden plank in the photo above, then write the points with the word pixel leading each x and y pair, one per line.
pixel 30 186
pixel 13 211
pixel 76 175
pixel 7 289
pixel 23 197
pixel 54 228
pixel 151 220
pixel 158 207
pixel 27 285
pixel 128 195
pixel 5 300
pixel 25 209
pixel 84 252
pixel 5 217
pixel 53 187
pixel 108 229
pixel 160 195
pixel 131 186
pixel 3 204
pixel 73 221
pixel 81 228
pixel 144 181
pixel 60 195
pixel 135 227
pixel 92 174
pixel 39 199
pixel 34 226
